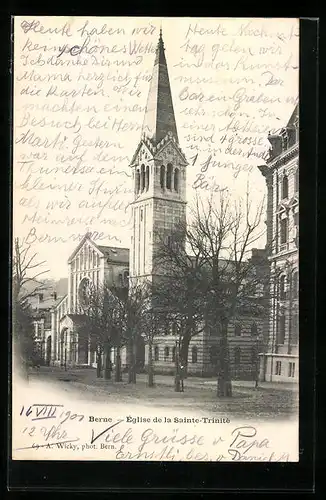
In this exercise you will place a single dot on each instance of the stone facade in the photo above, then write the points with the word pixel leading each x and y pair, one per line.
pixel 281 361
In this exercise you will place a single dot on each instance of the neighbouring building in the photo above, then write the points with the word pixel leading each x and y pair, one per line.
pixel 281 360
pixel 159 170
pixel 42 304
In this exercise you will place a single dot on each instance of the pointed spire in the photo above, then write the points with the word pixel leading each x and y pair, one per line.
pixel 159 115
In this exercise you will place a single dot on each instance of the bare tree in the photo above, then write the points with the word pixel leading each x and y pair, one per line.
pixel 103 322
pixel 26 283
pixel 26 273
pixel 215 272
pixel 136 305
pixel 179 290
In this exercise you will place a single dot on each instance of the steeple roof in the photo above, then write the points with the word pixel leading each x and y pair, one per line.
pixel 159 117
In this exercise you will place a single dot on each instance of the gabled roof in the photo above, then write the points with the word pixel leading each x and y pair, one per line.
pixel 77 319
pixel 115 254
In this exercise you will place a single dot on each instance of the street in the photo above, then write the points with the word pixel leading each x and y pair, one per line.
pixel 269 401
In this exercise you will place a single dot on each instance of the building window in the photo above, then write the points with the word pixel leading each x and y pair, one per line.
pixel 291 369
pixel 285 187
pixel 142 178
pixel 173 354
pixel 120 280
pixel 174 328
pixel 147 178
pixel 278 368
pixel 156 353
pixel 166 353
pixel 162 177
pixel 282 288
pixel 137 183
pixel 176 180
pixel 237 357
pixel 141 214
pixel 284 231
pixel 237 330
pixel 254 330
pixel 169 177
pixel 194 354
pixel 281 329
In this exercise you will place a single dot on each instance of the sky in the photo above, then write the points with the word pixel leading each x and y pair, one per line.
pixel 80 90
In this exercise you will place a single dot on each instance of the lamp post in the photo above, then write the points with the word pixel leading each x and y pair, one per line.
pixel 258 337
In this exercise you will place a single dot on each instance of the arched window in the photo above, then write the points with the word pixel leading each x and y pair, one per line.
pixel 166 353
pixel 169 177
pixel 237 330
pixel 137 182
pixel 194 354
pixel 81 260
pixel 282 287
pixel 176 180
pixel 285 187
pixel 254 330
pixel 295 284
pixel 237 357
pixel 86 259
pixel 142 178
pixel 120 280
pixel 281 328
pixel 173 354
pixel 162 177
pixel 156 353
pixel 147 178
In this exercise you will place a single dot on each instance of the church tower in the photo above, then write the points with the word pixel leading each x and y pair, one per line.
pixel 158 173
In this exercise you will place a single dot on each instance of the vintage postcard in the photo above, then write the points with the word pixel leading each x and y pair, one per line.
pixel 155 239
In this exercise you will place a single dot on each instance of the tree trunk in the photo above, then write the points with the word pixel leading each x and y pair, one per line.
pixel 184 350
pixel 224 384
pixel 107 362
pixel 177 380
pixel 131 362
pixel 150 365
pixel 98 364
pixel 117 376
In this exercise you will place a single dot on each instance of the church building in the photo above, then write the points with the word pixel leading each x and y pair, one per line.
pixel 159 172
